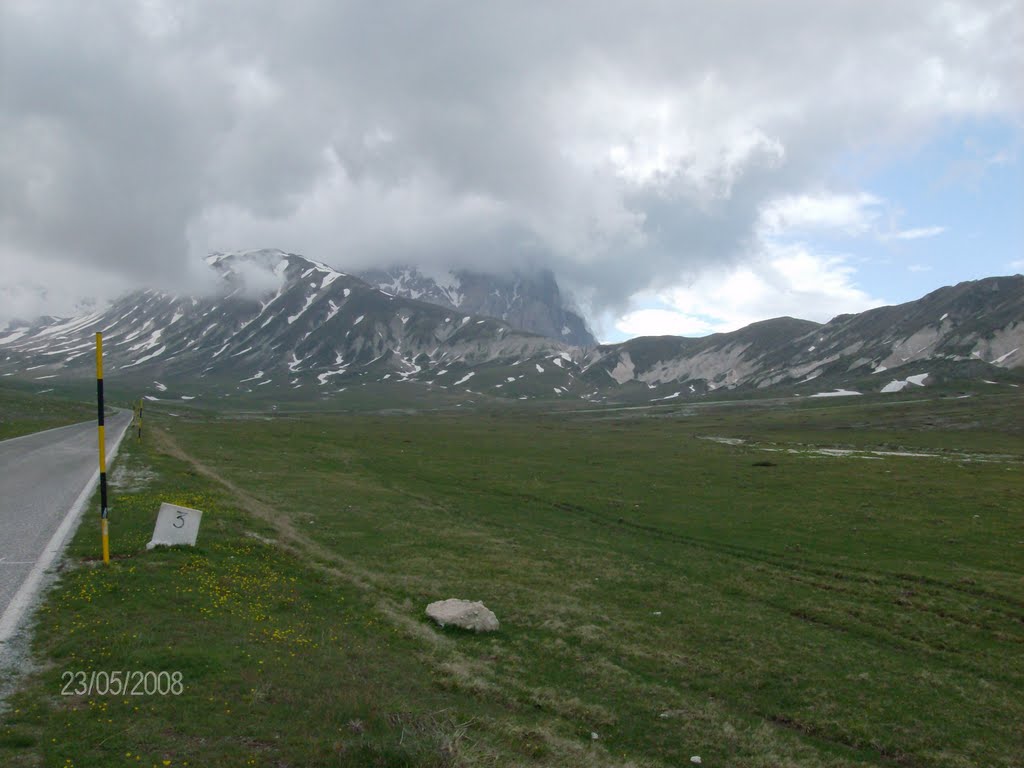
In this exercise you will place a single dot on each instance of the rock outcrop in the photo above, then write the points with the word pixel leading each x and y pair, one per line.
pixel 466 614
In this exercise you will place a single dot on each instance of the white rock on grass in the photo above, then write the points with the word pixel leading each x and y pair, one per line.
pixel 463 613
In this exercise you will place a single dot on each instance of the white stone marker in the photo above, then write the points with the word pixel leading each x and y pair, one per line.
pixel 175 525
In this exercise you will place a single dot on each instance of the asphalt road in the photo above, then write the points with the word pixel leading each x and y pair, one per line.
pixel 41 477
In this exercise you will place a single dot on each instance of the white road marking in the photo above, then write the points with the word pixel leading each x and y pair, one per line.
pixel 26 593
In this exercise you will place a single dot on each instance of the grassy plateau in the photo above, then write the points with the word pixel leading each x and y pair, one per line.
pixel 800 583
pixel 22 411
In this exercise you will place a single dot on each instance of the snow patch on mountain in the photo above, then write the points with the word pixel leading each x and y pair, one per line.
pixel 1002 348
pixel 146 358
pixel 898 385
pixel 1003 357
pixel 836 393
pixel 329 278
pixel 149 343
pixel 673 396
pixel 13 336
pixel 307 305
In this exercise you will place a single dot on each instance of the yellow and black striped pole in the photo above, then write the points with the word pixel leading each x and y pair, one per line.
pixel 103 448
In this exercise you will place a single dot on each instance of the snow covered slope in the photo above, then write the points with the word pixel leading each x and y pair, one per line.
pixel 284 324
pixel 280 320
pixel 963 330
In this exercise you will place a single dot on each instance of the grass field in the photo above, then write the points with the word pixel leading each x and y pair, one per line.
pixel 22 411
pixel 760 585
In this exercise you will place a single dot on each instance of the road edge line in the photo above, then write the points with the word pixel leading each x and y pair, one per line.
pixel 44 431
pixel 23 598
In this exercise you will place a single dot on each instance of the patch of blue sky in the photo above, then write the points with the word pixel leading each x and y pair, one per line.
pixel 967 179
pixel 946 209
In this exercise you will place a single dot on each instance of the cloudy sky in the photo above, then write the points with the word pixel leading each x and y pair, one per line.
pixel 682 167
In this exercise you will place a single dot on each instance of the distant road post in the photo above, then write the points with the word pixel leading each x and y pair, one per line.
pixel 137 421
pixel 103 449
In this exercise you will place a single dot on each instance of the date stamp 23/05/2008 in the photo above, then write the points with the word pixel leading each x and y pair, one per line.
pixel 121 683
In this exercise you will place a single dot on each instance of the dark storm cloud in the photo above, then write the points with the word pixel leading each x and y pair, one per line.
pixel 624 145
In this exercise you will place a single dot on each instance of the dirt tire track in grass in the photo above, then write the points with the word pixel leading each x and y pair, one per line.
pixel 298 543
pixel 846 573
pixel 302 546
pixel 441 652
pixel 814 733
pixel 872 631
pixel 291 538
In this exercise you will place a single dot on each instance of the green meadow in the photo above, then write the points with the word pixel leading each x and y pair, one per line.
pixel 777 583
pixel 23 411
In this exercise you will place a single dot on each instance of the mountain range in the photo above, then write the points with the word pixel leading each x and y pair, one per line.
pixel 282 327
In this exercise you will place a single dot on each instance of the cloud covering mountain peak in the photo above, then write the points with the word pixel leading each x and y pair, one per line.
pixel 622 146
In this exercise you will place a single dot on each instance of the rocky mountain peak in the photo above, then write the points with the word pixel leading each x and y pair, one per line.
pixel 528 301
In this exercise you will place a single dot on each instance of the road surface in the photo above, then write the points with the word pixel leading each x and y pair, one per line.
pixel 42 476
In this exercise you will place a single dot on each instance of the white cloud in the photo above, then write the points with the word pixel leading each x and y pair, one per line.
pixel 258 279
pixel 661 322
pixel 785 280
pixel 854 215
pixel 621 150
pixel 919 268
pixel 914 234
pixel 62 288
pixel 851 214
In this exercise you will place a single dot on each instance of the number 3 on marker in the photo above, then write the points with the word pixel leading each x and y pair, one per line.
pixel 179 520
